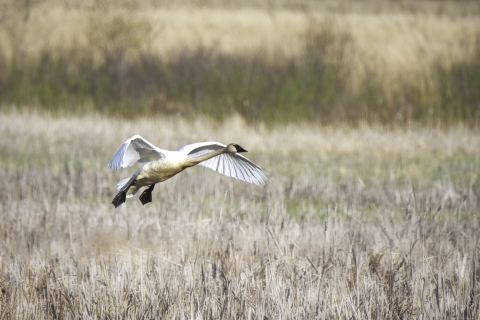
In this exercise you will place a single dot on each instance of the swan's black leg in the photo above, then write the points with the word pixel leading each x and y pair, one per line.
pixel 122 195
pixel 146 195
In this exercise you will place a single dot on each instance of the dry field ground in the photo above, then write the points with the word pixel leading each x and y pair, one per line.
pixel 355 223
pixel 364 222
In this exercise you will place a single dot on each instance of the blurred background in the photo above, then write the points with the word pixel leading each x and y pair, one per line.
pixel 349 61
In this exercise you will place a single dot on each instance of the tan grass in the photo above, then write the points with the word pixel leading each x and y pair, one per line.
pixel 310 244
pixel 65 135
pixel 399 42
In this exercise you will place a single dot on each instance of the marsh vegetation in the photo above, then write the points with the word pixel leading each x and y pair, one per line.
pixel 363 223
pixel 380 62
pixel 364 113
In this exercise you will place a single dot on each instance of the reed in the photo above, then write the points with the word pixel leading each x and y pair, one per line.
pixel 364 222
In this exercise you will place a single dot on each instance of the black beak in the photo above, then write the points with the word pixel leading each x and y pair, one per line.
pixel 240 149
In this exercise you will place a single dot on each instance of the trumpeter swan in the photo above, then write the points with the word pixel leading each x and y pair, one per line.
pixel 161 165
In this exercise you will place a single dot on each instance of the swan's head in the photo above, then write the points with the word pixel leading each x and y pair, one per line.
pixel 235 148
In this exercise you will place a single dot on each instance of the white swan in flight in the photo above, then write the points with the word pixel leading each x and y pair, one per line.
pixel 161 165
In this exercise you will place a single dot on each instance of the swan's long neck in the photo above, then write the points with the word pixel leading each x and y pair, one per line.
pixel 196 160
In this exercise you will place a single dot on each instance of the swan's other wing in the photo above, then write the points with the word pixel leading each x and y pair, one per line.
pixel 135 149
pixel 229 164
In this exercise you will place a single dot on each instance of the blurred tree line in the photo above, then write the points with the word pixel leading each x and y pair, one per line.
pixel 119 75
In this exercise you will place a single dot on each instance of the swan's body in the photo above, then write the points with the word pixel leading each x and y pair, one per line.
pixel 161 165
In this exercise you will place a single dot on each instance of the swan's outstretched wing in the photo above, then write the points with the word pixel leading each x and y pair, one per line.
pixel 135 149
pixel 229 164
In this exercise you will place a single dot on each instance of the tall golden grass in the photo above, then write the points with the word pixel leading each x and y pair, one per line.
pixel 397 40
pixel 359 223
pixel 373 61
pixel 364 222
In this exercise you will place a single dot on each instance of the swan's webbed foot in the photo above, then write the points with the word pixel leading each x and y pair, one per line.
pixel 121 197
pixel 146 195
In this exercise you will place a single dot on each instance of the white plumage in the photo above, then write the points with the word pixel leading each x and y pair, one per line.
pixel 161 165
pixel 135 149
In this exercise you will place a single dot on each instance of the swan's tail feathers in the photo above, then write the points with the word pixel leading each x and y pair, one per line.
pixel 123 187
pixel 122 184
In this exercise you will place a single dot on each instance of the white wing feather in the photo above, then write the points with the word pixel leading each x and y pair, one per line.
pixel 135 149
pixel 229 164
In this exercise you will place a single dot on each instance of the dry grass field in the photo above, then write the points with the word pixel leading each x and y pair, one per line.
pixel 355 223
pixel 376 218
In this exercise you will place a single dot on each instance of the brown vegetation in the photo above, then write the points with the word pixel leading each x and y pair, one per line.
pixel 377 62
pixel 362 223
